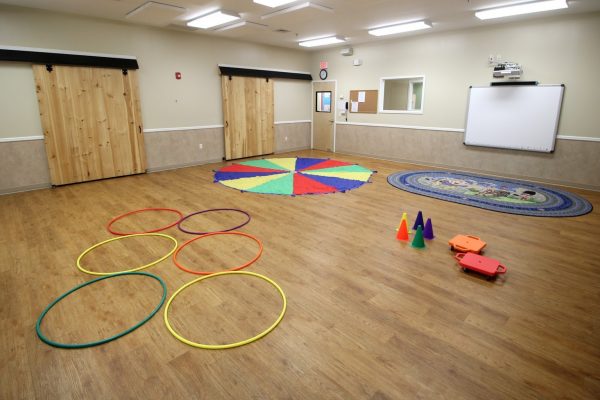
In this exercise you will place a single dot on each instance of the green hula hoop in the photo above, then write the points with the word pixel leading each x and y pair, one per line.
pixel 120 238
pixel 230 345
pixel 98 342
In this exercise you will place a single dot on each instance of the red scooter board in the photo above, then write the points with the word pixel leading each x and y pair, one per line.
pixel 466 244
pixel 483 265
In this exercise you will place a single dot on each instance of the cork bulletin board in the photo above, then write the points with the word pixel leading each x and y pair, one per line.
pixel 363 101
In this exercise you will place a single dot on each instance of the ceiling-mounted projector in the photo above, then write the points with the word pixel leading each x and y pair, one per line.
pixel 508 69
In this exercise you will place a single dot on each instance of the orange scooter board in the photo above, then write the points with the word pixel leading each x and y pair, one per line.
pixel 466 244
pixel 483 265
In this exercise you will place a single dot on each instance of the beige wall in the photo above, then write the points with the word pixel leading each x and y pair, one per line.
pixel 292 100
pixel 551 50
pixel 397 95
pixel 19 115
pixel 195 100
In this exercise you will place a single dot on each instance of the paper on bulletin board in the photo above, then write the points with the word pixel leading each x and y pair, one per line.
pixel 354 107
pixel 361 97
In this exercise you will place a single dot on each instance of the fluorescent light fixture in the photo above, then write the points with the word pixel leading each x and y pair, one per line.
pixel 524 8
pixel 213 19
pixel 322 41
pixel 400 28
pixel 273 3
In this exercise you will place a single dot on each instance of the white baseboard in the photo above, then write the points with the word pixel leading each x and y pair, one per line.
pixel 28 188
pixel 183 165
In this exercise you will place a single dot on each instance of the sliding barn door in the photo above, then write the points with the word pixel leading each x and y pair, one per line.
pixel 92 122
pixel 248 113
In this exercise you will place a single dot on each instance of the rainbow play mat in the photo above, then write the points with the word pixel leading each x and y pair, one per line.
pixel 293 176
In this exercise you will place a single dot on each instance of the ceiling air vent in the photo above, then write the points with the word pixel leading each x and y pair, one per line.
pixel 155 13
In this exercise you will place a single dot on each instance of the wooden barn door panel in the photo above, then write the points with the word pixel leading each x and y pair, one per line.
pixel 92 125
pixel 248 116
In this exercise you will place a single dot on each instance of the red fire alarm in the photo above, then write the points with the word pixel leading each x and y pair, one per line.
pixel 177 75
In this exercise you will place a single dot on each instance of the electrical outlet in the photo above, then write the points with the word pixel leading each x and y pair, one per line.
pixel 201 146
pixel 491 59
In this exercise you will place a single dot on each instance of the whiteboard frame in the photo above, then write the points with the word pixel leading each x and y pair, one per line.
pixel 562 92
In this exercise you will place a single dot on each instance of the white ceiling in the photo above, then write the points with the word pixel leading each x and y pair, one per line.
pixel 348 18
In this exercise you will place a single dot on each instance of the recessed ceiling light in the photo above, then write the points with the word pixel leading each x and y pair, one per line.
pixel 297 7
pixel 400 28
pixel 213 19
pixel 155 7
pixel 241 24
pixel 273 3
pixel 322 41
pixel 525 8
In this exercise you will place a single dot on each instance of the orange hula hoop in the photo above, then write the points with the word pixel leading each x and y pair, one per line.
pixel 237 268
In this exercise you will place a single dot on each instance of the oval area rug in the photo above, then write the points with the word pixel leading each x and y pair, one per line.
pixel 503 195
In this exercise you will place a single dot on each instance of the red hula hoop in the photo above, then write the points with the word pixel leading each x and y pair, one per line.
pixel 115 219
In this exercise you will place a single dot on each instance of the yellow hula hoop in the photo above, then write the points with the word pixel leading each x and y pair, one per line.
pixel 230 345
pixel 125 237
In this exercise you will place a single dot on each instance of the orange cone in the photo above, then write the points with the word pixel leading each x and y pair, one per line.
pixel 405 219
pixel 402 232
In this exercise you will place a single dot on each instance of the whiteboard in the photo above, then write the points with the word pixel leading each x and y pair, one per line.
pixel 514 117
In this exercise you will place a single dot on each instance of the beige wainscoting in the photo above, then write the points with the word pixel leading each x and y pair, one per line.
pixel 170 149
pixel 297 134
pixel 574 162
pixel 24 165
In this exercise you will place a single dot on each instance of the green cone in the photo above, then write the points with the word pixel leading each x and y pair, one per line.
pixel 418 241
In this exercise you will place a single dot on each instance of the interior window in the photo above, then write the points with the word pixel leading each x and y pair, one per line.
pixel 402 94
pixel 323 102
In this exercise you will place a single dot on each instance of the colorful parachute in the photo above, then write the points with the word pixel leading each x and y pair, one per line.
pixel 293 176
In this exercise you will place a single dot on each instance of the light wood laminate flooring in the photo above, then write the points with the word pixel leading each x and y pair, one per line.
pixel 368 317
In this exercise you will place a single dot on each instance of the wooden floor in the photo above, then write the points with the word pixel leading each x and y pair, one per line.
pixel 368 317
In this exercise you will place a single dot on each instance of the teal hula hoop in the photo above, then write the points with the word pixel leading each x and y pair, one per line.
pixel 98 342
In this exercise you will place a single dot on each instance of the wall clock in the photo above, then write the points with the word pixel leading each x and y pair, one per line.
pixel 323 74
